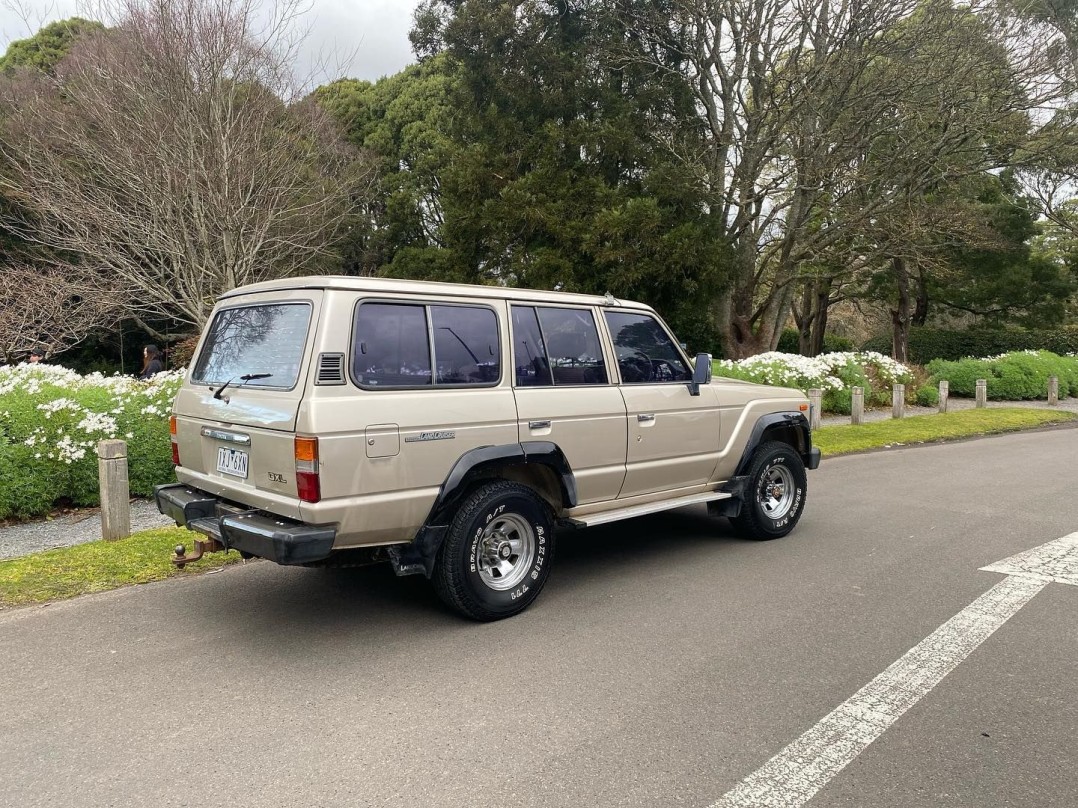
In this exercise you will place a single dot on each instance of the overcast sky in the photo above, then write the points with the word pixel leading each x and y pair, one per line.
pixel 371 36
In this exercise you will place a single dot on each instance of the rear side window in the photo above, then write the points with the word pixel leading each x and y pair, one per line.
pixel 466 347
pixel 413 345
pixel 646 354
pixel 269 338
pixel 556 346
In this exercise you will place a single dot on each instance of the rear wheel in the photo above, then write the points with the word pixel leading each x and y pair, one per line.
pixel 497 552
pixel 775 494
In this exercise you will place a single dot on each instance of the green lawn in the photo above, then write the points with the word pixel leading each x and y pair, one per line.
pixel 94 567
pixel 838 440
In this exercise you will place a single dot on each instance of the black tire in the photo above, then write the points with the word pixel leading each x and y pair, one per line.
pixel 764 516
pixel 479 571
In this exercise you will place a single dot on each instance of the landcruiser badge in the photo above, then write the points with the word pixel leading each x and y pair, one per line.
pixel 431 436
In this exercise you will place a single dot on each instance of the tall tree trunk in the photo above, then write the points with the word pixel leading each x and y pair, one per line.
pixel 900 315
pixel 823 306
pixel 920 313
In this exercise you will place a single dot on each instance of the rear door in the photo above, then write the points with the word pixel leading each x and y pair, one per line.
pixel 565 394
pixel 236 413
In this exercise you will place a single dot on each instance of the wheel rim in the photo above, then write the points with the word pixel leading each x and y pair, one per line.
pixel 776 492
pixel 506 551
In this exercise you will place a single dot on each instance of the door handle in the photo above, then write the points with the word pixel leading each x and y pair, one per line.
pixel 538 424
pixel 645 417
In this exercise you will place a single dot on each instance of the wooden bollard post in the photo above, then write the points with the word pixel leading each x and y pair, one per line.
pixel 815 404
pixel 945 391
pixel 982 392
pixel 115 489
pixel 857 406
pixel 898 401
pixel 1053 391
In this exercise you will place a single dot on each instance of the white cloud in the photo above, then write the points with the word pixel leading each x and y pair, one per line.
pixel 361 38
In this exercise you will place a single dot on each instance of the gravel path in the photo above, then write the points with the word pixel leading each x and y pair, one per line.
pixel 75 528
pixel 85 525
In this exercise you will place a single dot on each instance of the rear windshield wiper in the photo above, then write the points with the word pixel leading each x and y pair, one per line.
pixel 247 377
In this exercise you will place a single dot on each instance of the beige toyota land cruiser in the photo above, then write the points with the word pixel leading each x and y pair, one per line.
pixel 450 429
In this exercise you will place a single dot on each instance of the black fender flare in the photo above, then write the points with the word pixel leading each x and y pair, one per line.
pixel 795 420
pixel 418 556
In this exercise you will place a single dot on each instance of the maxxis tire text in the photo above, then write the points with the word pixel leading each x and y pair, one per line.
pixel 775 494
pixel 497 552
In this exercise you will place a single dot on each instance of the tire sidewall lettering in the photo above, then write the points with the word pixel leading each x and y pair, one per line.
pixel 539 564
pixel 761 481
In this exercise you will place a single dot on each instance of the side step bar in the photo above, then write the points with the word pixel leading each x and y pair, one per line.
pixel 642 510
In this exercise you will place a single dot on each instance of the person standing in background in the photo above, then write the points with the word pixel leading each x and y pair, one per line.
pixel 151 362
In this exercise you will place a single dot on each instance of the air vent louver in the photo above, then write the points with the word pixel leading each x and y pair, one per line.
pixel 330 369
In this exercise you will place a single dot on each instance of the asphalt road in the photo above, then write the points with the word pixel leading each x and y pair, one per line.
pixel 666 660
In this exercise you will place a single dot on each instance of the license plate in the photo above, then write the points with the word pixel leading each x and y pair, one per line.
pixel 232 461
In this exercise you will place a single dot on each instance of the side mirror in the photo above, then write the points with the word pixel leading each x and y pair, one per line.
pixel 701 373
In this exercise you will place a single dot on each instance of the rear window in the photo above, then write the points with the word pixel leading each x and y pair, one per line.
pixel 255 339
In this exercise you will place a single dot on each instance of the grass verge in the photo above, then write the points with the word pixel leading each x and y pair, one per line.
pixel 840 440
pixel 66 572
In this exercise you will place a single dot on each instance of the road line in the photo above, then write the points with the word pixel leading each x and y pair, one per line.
pixel 794 775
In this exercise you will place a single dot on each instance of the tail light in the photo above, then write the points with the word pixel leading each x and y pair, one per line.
pixel 175 444
pixel 307 484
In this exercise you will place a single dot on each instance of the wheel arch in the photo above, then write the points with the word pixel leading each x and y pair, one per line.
pixel 540 465
pixel 791 428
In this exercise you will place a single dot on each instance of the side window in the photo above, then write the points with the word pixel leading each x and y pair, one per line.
pixel 466 348
pixel 646 355
pixel 392 346
pixel 573 348
pixel 530 364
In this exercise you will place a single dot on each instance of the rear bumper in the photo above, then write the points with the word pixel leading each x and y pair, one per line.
pixel 251 532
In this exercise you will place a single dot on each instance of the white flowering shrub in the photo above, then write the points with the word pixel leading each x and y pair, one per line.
pixel 834 373
pixel 51 419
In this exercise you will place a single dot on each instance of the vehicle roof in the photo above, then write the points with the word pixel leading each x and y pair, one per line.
pixel 427 289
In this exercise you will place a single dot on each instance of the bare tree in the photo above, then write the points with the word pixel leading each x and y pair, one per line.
pixel 173 156
pixel 49 308
pixel 814 118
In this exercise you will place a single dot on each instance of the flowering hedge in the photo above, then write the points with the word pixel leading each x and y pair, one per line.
pixel 834 373
pixel 51 419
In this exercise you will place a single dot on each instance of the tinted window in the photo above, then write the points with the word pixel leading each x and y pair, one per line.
pixel 255 339
pixel 573 347
pixel 644 350
pixel 529 353
pixel 392 346
pixel 466 349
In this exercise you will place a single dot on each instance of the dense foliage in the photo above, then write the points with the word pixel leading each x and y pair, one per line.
pixel 1016 376
pixel 927 344
pixel 51 420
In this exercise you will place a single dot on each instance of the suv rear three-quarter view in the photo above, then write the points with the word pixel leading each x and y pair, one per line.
pixel 449 430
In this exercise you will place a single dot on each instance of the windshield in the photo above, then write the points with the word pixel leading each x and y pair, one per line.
pixel 255 339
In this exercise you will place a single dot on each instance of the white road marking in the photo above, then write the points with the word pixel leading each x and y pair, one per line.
pixel 794 775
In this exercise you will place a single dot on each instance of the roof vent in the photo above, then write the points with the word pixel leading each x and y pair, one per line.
pixel 330 369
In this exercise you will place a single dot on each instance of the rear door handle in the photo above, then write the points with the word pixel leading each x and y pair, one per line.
pixel 538 424
pixel 645 417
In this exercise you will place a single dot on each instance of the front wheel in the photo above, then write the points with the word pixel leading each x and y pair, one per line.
pixel 775 494
pixel 496 555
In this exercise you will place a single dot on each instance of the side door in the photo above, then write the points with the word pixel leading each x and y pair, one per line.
pixel 674 438
pixel 565 393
